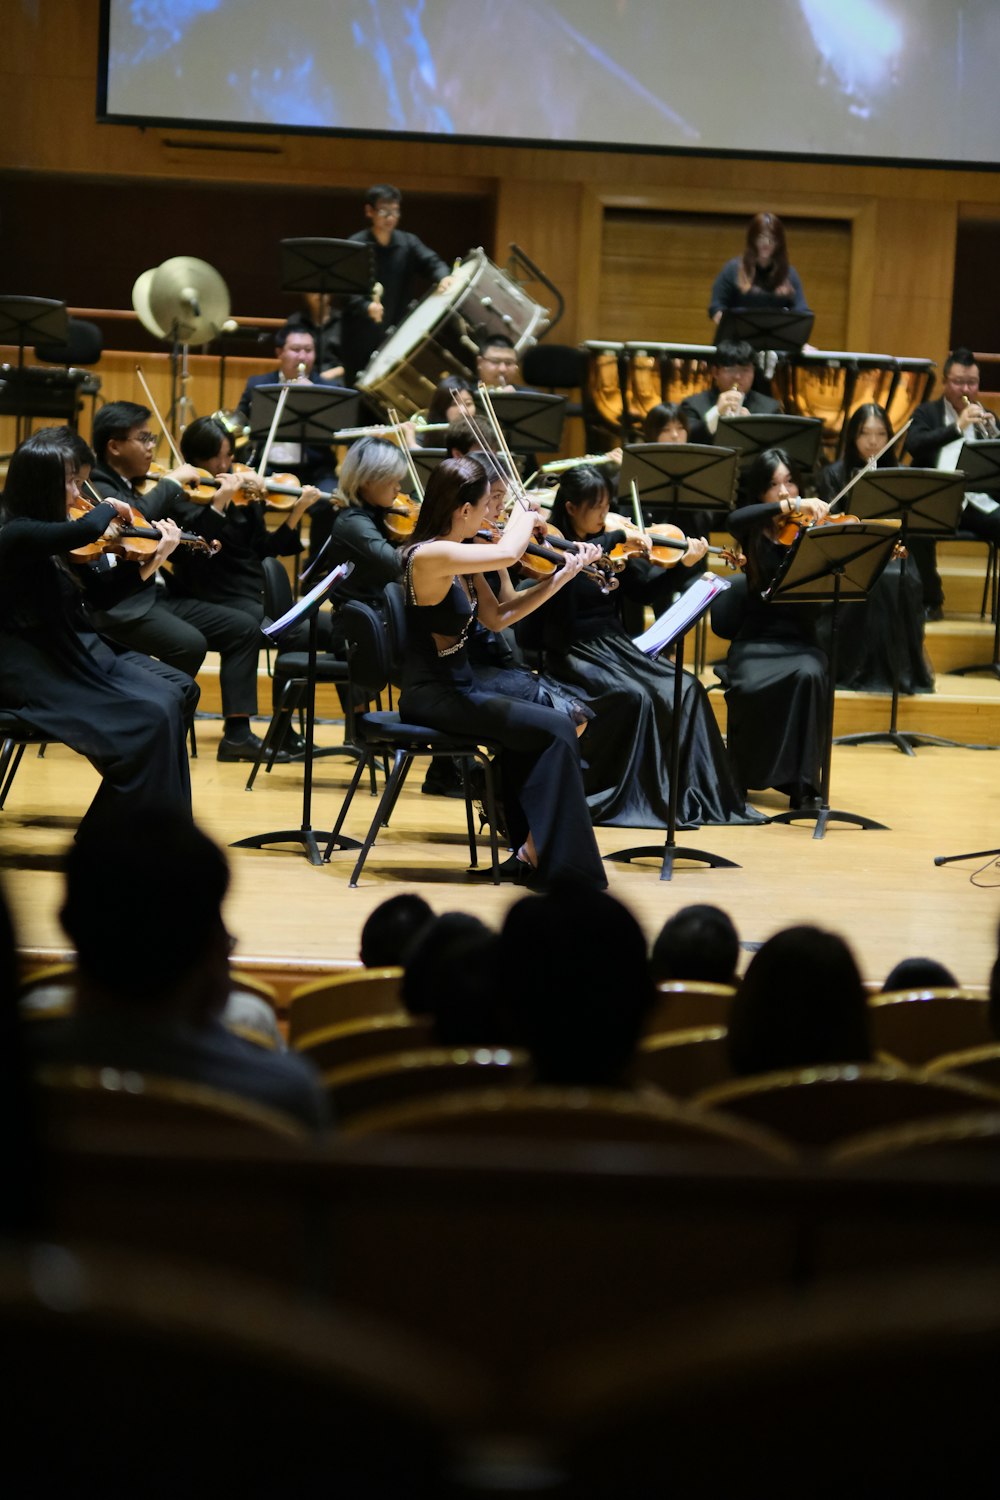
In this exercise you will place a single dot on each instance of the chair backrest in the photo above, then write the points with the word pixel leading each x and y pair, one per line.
pixel 368 651
pixel 118 1340
pixel 683 1003
pixel 817 1106
pixel 277 588
pixel 77 1098
pixel 343 997
pixel 977 1132
pixel 683 1063
pixel 915 1026
pixel 383 1081
pixel 362 1039
pixel 560 365
pixel 566 1114
pixel 395 615
pixel 980 1063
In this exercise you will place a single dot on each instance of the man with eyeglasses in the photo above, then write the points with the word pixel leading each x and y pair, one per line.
pixel 934 441
pixel 398 260
pixel 498 364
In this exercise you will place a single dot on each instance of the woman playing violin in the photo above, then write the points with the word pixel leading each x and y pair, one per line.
pixel 180 631
pixel 446 591
pixel 870 633
pixel 627 745
pixel 58 676
pixel 775 673
pixel 371 477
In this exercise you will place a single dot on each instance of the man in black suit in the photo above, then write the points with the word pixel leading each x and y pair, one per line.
pixel 934 441
pixel 731 395
pixel 311 463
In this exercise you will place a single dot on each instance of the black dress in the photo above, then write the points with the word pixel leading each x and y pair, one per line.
pixel 867 633
pixel 626 747
pixel 775 674
pixel 542 786
pixel 128 722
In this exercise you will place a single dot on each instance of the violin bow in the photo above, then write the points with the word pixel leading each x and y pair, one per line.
pixel 156 413
pixel 514 479
pixel 278 409
pixel 870 465
pixel 397 428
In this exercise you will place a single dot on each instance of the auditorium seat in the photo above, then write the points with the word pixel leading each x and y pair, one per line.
pixel 814 1107
pixel 977 1132
pixel 683 1063
pixel 682 1003
pixel 979 1063
pixel 403 1076
pixel 573 1114
pixel 914 1026
pixel 363 1039
pixel 343 997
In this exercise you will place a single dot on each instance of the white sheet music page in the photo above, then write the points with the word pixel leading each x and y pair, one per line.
pixel 681 615
pixel 301 606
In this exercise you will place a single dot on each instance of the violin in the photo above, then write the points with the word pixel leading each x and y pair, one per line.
pixel 798 520
pixel 668 545
pixel 539 562
pixel 135 543
pixel 401 518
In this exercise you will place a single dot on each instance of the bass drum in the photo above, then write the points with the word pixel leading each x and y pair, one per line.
pixel 441 336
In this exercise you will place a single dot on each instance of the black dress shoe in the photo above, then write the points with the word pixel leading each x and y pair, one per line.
pixel 247 748
pixel 294 743
pixel 513 870
pixel 934 612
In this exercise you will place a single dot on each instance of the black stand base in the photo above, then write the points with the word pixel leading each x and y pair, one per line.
pixel 824 815
pixel 905 739
pixel 992 667
pixel 950 859
pixel 307 838
pixel 668 853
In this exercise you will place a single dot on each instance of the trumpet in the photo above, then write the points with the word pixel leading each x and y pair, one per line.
pixel 985 426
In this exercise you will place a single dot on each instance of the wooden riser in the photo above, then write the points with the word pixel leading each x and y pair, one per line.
pixel 953 712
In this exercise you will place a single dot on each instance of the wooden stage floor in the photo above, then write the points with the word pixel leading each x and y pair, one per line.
pixel 881 889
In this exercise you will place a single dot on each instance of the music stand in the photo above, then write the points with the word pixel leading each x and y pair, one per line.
pixel 306 608
pixel 425 461
pixel 980 463
pixel 926 503
pixel 673 626
pixel 681 476
pixel 32 320
pixel 312 414
pixel 765 328
pixel 832 564
pixel 339 267
pixel 532 421
pixel 800 437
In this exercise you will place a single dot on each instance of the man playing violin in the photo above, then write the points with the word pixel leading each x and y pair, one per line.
pixel 177 631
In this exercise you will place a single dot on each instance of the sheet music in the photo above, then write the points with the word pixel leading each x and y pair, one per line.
pixel 301 606
pixel 681 615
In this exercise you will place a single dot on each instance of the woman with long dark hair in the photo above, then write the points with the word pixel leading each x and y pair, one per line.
pixel 446 592
pixel 587 650
pixel 775 673
pixel 58 676
pixel 869 633
pixel 761 277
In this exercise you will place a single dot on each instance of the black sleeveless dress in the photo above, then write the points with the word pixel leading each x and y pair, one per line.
pixel 542 786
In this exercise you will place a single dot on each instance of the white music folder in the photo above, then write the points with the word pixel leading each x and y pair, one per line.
pixel 682 614
pixel 300 609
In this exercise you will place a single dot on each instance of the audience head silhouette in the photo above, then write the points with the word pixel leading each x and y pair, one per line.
pixel 581 1019
pixel 391 929
pixel 123 884
pixel 919 974
pixel 801 1004
pixel 697 942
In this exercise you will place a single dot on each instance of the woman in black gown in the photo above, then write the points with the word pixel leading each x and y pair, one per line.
pixel 775 674
pixel 867 633
pixel 626 747
pixel 54 672
pixel 445 593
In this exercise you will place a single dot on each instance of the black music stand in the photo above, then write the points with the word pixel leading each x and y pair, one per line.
pixel 312 413
pixel 532 421
pixel 832 565
pixel 673 626
pixel 307 608
pixel 425 461
pixel 681 476
pixel 800 437
pixel 980 463
pixel 32 320
pixel 926 502
pixel 338 267
pixel 765 328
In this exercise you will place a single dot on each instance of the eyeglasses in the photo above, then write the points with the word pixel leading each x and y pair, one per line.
pixel 388 213
pixel 509 361
pixel 147 439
